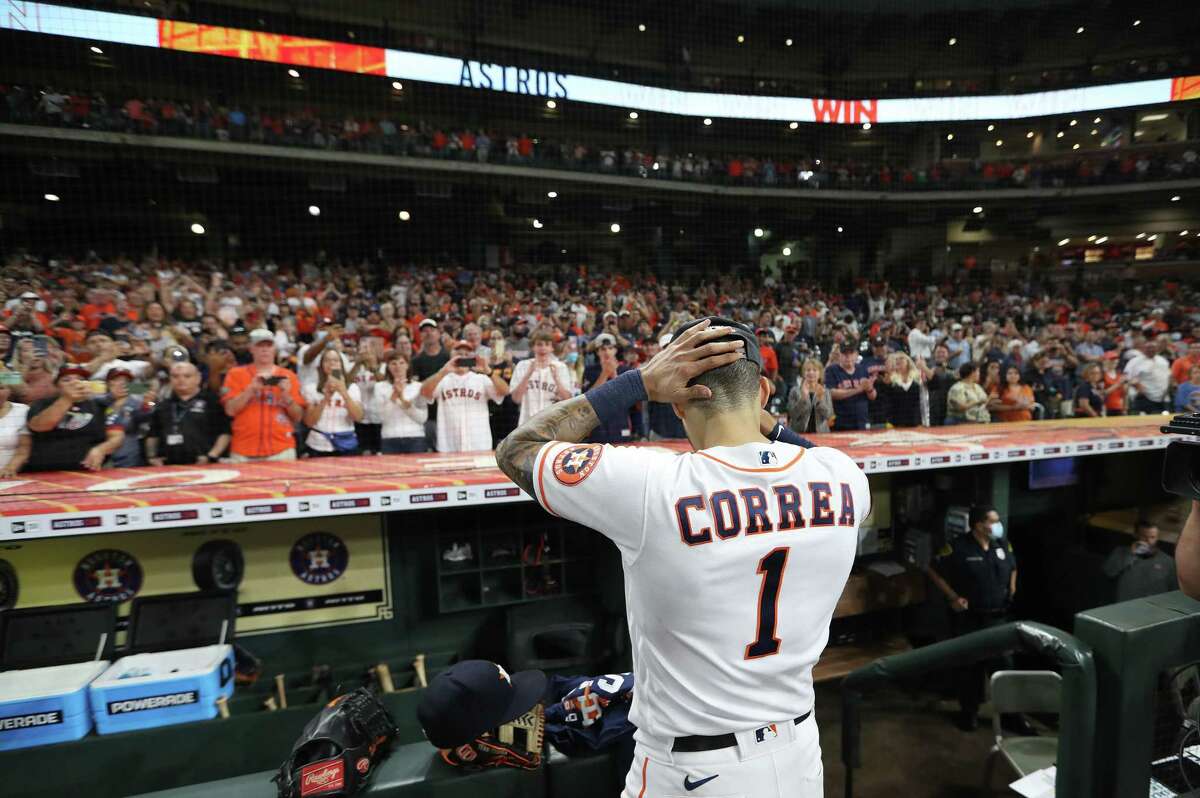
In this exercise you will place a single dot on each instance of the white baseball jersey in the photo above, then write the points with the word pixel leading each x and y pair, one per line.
pixel 734 559
pixel 542 388
pixel 462 422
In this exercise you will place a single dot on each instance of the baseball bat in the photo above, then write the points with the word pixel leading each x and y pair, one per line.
pixel 385 678
pixel 419 667
pixel 281 689
pixel 222 706
pixel 269 704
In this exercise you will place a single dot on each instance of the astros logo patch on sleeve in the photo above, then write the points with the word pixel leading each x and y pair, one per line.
pixel 573 465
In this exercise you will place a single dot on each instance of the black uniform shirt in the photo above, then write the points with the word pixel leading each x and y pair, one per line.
pixel 188 429
pixel 981 577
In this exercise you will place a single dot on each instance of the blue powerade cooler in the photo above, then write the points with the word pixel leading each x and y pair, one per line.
pixel 159 689
pixel 46 705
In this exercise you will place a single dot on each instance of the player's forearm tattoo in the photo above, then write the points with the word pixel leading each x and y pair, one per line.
pixel 572 420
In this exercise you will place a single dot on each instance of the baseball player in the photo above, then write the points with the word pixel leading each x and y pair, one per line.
pixel 540 381
pixel 462 388
pixel 734 554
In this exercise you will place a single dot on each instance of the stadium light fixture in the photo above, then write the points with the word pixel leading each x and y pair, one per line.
pixel 1095 131
pixel 1176 198
pixel 991 128
pixel 1183 232
pixel 1080 29
pixel 788 42
pixel 741 39
pixel 552 194
pixel 1074 122
pixel 614 228
pixel 866 125
pixel 1091 238
pixel 1064 242
pixel 1152 238
pixel 551 104
pixel 293 73
pixel 1140 236
pixel 1096 121
pixel 977 209
pixel 1029 135
pixel 50 197
pixel 949 137
pixel 1154 117
pixel 641 28
pixel 633 114
pixel 840 228
pixel 1137 22
pixel 314 210
pixel 197 228
pixel 793 125
pixel 787 252
pixel 397 85
pixel 404 216
pixel 707 122
pixel 96 50
pixel 1060 134
pixel 999 142
pixel 953 41
pixel 1075 146
pixel 537 224
pixel 1101 239
pixel 759 232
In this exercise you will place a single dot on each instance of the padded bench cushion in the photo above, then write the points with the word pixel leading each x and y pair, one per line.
pixel 410 771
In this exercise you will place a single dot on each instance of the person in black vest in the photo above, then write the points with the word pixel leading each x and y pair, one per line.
pixel 70 430
pixel 977 573
pixel 188 427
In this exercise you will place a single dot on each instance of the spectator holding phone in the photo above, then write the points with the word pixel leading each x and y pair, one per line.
pixel 15 440
pixel 188 426
pixel 70 430
pixel 130 413
pixel 462 387
pixel 264 401
pixel 333 409
pixel 401 408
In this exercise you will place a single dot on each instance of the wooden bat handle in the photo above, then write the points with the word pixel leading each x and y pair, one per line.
pixel 385 678
pixel 222 706
pixel 419 667
pixel 281 690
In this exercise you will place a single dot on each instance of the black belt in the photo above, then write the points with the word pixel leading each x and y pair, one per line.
pixel 698 742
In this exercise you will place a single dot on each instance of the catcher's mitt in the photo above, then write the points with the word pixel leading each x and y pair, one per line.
pixel 338 749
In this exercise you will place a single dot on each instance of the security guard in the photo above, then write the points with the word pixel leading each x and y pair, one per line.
pixel 977 573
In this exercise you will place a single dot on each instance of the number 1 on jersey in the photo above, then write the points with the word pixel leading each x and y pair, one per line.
pixel 771 567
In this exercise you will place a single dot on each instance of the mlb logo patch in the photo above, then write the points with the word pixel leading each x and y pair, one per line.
pixel 767 458
pixel 766 733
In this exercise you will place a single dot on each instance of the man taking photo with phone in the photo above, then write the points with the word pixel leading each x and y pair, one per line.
pixel 264 401
pixel 462 388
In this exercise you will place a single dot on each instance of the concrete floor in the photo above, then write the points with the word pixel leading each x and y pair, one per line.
pixel 911 748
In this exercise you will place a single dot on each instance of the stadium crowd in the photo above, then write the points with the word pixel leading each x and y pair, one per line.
pixel 306 127
pixel 120 362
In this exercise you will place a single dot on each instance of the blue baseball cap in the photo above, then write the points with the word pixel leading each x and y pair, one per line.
pixel 737 332
pixel 475 696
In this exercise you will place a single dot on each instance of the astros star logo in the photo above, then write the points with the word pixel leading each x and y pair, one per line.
pixel 504 675
pixel 572 466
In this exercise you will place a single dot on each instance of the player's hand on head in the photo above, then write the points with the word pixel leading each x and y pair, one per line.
pixel 667 374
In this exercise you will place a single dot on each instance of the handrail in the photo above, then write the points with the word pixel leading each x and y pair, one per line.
pixel 1076 740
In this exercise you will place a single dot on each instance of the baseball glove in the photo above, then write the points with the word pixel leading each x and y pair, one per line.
pixel 516 744
pixel 338 749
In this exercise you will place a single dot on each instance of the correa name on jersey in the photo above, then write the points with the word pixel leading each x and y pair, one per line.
pixel 724 514
pixel 153 702
pixel 13 722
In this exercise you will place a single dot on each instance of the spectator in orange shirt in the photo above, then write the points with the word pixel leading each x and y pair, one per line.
pixel 264 401
pixel 1183 365
pixel 1014 401
pixel 766 345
